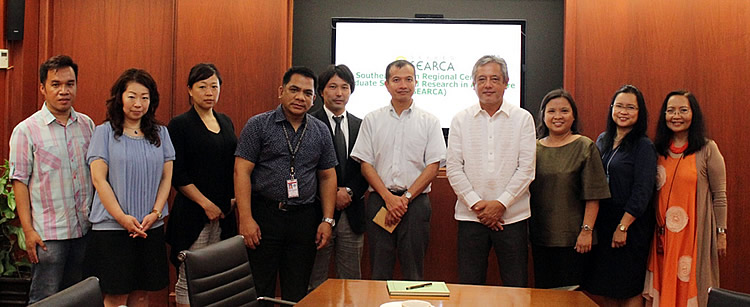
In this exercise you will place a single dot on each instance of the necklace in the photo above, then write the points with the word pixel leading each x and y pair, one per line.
pixel 135 130
pixel 558 141
pixel 677 150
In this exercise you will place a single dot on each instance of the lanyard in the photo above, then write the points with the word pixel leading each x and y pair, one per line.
pixel 610 161
pixel 293 152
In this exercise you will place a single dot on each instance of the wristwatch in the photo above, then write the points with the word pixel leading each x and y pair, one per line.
pixel 349 191
pixel 408 195
pixel 622 228
pixel 329 221
pixel 158 213
pixel 586 227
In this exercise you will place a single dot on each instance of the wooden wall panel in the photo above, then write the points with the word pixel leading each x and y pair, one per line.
pixel 107 37
pixel 661 46
pixel 4 94
pixel 19 97
pixel 3 79
pixel 245 40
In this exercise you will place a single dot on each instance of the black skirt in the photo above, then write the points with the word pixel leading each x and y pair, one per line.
pixel 124 264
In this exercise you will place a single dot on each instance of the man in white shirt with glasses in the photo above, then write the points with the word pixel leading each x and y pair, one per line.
pixel 490 164
pixel 400 148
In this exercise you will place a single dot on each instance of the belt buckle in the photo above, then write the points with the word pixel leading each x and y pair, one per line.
pixel 283 206
pixel 397 192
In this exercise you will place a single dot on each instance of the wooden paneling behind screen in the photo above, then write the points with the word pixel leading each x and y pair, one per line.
pixel 247 40
pixel 107 37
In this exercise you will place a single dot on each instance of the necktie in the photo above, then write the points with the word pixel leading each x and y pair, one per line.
pixel 340 143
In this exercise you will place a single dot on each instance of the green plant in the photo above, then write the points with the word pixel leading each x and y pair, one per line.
pixel 12 236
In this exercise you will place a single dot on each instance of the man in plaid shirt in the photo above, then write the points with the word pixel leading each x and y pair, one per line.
pixel 51 180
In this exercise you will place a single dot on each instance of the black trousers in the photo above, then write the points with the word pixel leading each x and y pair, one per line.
pixel 287 248
pixel 409 240
pixel 511 249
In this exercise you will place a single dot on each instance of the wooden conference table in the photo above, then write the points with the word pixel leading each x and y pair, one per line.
pixel 347 292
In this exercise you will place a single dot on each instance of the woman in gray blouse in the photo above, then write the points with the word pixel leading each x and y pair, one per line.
pixel 565 195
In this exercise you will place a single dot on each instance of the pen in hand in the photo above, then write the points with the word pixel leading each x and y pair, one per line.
pixel 419 286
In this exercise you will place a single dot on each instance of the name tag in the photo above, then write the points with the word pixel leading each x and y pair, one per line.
pixel 292 188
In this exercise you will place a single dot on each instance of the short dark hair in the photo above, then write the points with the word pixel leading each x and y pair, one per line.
pixel 640 127
pixel 56 62
pixel 299 70
pixel 202 71
pixel 542 130
pixel 398 64
pixel 335 70
pixel 696 131
pixel 115 114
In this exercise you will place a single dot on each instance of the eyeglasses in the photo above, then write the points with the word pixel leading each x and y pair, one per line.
pixel 682 111
pixel 628 108
pixel 493 79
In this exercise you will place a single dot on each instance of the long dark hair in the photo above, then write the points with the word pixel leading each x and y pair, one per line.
pixel 541 129
pixel 640 127
pixel 115 115
pixel 696 131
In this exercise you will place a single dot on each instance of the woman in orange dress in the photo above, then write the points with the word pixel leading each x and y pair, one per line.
pixel 691 211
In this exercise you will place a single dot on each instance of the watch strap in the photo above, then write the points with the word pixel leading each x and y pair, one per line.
pixel 329 221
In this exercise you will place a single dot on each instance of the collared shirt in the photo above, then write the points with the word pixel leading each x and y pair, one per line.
pixel 50 158
pixel 263 142
pixel 344 125
pixel 492 158
pixel 400 147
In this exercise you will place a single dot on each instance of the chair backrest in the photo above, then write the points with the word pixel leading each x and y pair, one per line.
pixel 84 293
pixel 220 275
pixel 718 297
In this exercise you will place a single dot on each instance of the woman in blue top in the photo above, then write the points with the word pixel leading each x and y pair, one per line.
pixel 625 222
pixel 130 156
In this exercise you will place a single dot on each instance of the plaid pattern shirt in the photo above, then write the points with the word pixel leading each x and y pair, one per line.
pixel 50 158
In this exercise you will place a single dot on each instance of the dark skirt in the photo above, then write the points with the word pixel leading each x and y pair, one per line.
pixel 558 266
pixel 619 272
pixel 124 264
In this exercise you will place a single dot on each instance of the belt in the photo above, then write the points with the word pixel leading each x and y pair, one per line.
pixel 285 206
pixel 397 192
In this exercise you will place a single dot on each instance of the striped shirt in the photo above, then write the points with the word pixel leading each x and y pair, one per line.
pixel 50 158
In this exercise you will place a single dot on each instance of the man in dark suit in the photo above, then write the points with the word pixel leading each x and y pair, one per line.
pixel 335 85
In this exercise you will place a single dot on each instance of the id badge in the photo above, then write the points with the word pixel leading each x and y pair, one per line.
pixel 292 188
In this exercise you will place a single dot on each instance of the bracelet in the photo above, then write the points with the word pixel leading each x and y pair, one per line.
pixel 721 230
pixel 158 213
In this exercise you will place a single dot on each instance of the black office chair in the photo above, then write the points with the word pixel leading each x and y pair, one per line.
pixel 718 297
pixel 219 275
pixel 84 293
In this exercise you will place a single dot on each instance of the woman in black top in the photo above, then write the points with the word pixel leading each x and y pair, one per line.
pixel 204 143
pixel 625 223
